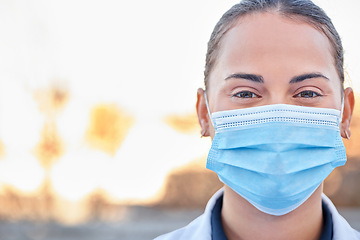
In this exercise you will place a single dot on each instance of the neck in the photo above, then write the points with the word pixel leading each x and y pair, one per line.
pixel 242 221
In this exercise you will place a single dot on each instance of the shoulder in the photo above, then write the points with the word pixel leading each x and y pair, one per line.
pixel 186 232
pixel 342 229
pixel 198 229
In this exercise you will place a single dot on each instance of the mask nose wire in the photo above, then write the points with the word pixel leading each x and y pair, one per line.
pixel 208 109
pixel 212 122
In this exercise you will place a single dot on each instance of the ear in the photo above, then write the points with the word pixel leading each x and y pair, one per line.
pixel 349 102
pixel 202 113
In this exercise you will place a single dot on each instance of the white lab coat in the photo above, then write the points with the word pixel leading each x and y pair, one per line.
pixel 200 228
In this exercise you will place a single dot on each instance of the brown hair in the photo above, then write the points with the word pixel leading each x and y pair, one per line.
pixel 304 10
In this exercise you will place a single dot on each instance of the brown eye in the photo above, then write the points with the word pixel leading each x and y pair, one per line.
pixel 307 94
pixel 246 94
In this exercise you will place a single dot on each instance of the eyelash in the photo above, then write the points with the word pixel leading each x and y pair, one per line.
pixel 253 95
pixel 308 92
pixel 304 94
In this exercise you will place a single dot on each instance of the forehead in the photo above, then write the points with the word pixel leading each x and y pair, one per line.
pixel 277 41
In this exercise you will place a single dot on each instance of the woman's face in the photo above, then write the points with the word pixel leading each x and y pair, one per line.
pixel 270 59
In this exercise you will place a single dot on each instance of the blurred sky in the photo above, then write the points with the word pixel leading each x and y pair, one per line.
pixel 147 57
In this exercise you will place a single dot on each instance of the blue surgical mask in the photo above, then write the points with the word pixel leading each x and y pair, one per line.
pixel 276 156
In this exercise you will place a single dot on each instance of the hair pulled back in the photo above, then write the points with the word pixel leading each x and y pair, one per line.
pixel 304 10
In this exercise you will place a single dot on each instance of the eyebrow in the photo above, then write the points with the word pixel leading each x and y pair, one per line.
pixel 303 77
pixel 260 79
pixel 251 77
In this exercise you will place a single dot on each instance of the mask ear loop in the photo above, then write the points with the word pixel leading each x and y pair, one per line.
pixel 347 136
pixel 342 109
pixel 208 109
pixel 341 116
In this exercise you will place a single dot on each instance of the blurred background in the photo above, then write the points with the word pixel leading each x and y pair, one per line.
pixel 98 131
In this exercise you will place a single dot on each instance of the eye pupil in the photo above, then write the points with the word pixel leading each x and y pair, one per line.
pixel 307 94
pixel 246 94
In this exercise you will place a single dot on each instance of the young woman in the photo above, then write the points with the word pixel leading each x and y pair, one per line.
pixel 276 110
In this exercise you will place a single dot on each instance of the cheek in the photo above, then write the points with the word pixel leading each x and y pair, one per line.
pixel 212 132
pixel 338 93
